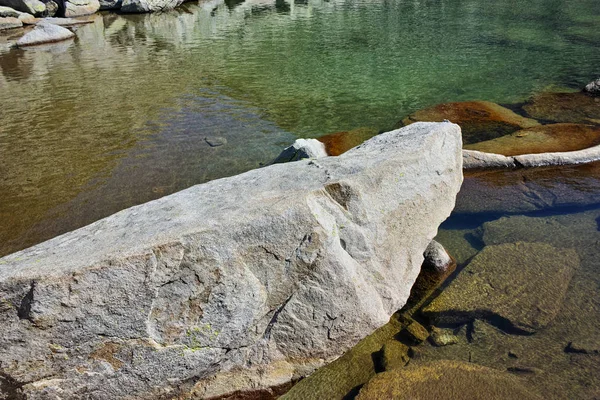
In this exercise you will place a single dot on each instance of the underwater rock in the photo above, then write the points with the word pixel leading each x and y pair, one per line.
pixel 33 7
pixel 267 275
pixel 577 107
pixel 478 120
pixel 215 141
pixel 542 139
pixel 394 355
pixel 45 32
pixel 340 142
pixel 300 149
pixel 593 87
pixel 446 380
pixel 67 21
pixel 414 332
pixel 518 286
pixel 443 337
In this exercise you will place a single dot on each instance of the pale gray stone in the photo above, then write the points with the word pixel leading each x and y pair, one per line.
pixel 78 8
pixel 436 257
pixel 144 6
pixel 34 7
pixel 263 276
pixel 300 149
pixel 66 21
pixel 45 32
pixel 10 23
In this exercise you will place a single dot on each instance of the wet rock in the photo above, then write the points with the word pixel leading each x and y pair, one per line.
pixel 6 12
pixel 436 258
pixel 302 148
pixel 478 120
pixel 529 189
pixel 66 21
pixel 394 355
pixel 542 139
pixel 584 346
pixel 340 142
pixel 414 332
pixel 260 272
pixel 45 33
pixel 110 4
pixel 145 6
pixel 578 107
pixel 443 337
pixel 10 23
pixel 215 141
pixel 518 286
pixel 33 7
pixel 446 380
pixel 593 87
pixel 523 369
pixel 78 8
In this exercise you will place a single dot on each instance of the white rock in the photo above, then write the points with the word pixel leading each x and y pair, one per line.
pixel 257 276
pixel 45 32
pixel 436 257
pixel 300 149
pixel 144 6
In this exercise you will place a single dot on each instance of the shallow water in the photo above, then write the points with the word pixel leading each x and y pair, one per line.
pixel 119 116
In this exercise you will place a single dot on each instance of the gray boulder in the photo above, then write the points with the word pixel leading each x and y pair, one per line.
pixel 145 6
pixel 77 8
pixel 593 87
pixel 300 149
pixel 436 258
pixel 45 32
pixel 10 23
pixel 243 282
pixel 110 4
pixel 34 7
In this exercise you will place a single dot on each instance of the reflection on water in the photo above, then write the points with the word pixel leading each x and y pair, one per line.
pixel 118 116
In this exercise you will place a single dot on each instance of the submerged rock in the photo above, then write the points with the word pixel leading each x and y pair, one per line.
pixel 263 276
pixel 585 346
pixel 443 337
pixel 301 149
pixel 436 258
pixel 45 32
pixel 577 107
pixel 445 380
pixel 340 142
pixel 394 355
pixel 542 139
pixel 10 23
pixel 215 141
pixel 478 120
pixel 593 87
pixel 519 286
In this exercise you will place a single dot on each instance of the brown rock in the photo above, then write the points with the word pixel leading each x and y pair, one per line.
pixel 478 120
pixel 395 355
pixel 520 286
pixel 445 380
pixel 576 107
pixel 542 139
pixel 340 142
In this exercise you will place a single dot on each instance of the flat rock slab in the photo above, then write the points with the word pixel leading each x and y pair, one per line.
pixel 65 21
pixel 239 283
pixel 519 286
pixel 542 139
pixel 478 120
pixel 578 107
pixel 340 142
pixel 446 380
pixel 10 23
pixel 529 189
pixel 45 33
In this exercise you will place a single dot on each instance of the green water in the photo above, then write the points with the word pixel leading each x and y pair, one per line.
pixel 118 116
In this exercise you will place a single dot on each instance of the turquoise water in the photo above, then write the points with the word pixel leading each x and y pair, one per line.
pixel 119 115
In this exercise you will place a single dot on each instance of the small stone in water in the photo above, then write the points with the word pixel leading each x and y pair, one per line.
pixel 443 337
pixel 415 332
pixel 215 141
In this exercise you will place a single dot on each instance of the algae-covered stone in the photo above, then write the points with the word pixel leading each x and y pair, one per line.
pixel 340 142
pixel 415 332
pixel 436 258
pixel 590 345
pixel 394 355
pixel 445 380
pixel 443 337
pixel 577 107
pixel 542 139
pixel 520 286
pixel 478 120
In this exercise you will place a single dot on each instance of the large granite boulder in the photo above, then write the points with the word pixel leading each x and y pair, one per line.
pixel 145 6
pixel 45 32
pixel 479 120
pixel 519 286
pixel 248 281
pixel 446 380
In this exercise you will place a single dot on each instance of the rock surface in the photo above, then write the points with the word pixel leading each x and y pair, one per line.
pixel 110 4
pixel 578 107
pixel 445 380
pixel 436 258
pixel 340 142
pixel 593 87
pixel 144 6
pixel 78 8
pixel 45 32
pixel 33 7
pixel 542 139
pixel 479 120
pixel 300 149
pixel 272 272
pixel 10 23
pixel 66 21
pixel 519 286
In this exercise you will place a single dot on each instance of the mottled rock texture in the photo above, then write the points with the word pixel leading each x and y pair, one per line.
pixel 45 32
pixel 239 283
pixel 144 6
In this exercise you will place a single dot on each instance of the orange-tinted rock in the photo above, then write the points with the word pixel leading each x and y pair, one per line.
pixel 576 107
pixel 445 380
pixel 479 120
pixel 542 139
pixel 340 142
